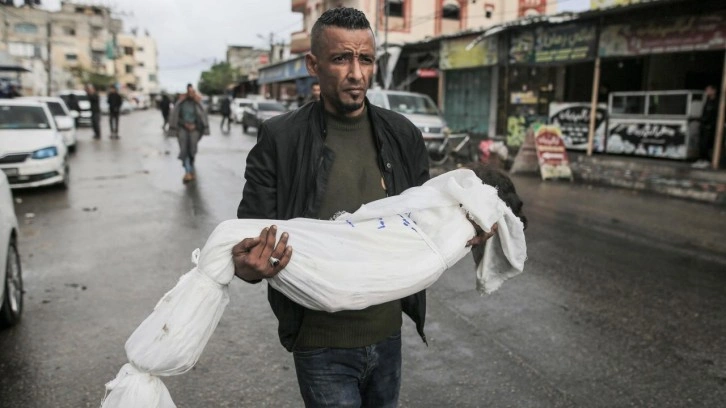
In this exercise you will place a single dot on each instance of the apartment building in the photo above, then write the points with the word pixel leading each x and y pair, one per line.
pixel 410 21
pixel 147 65
pixel 67 43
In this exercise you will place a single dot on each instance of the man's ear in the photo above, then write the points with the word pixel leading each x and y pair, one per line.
pixel 311 62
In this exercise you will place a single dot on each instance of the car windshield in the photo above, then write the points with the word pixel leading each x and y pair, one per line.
pixel 244 104
pixel 412 104
pixel 23 117
pixel 272 106
pixel 56 109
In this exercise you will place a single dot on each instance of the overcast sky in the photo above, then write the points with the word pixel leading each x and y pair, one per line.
pixel 191 34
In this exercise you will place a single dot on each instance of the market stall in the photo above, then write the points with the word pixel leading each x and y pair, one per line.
pixel 662 124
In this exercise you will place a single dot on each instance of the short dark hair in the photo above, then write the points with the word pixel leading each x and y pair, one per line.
pixel 342 17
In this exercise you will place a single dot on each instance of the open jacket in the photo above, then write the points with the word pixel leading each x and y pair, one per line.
pixel 202 121
pixel 287 173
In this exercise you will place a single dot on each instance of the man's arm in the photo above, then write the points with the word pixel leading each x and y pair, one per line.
pixel 253 257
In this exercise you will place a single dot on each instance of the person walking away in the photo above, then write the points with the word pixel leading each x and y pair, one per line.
pixel 95 111
pixel 188 122
pixel 708 128
pixel 114 110
pixel 226 111
pixel 346 152
pixel 165 107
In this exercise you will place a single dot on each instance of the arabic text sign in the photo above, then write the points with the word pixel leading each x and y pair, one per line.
pixel 688 33
pixel 551 153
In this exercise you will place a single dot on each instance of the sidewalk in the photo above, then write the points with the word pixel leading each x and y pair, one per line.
pixel 666 177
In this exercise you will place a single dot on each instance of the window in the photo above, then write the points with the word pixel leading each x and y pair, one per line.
pixel 97 31
pixel 152 77
pixel 69 31
pixel 23 117
pixel 128 50
pixel 26 28
pixel 451 11
pixel 412 104
pixel 97 57
pixel 129 69
pixel 56 109
pixel 141 64
pixel 26 50
pixel 71 57
pixel 395 8
pixel 140 49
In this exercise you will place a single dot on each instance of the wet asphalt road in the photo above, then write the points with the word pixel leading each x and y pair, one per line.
pixel 621 304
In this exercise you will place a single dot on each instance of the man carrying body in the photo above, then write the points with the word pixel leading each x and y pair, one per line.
pixel 346 153
pixel 114 110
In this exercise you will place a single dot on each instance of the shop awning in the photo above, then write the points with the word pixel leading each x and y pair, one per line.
pixel 289 70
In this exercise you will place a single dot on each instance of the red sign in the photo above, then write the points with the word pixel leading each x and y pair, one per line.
pixel 551 153
pixel 532 8
pixel 428 73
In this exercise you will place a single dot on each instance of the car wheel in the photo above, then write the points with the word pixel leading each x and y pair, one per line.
pixel 12 303
pixel 66 182
pixel 72 148
pixel 244 128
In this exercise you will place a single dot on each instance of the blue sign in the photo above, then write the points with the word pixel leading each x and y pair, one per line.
pixel 285 71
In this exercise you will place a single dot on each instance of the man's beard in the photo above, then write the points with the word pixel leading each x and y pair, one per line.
pixel 350 107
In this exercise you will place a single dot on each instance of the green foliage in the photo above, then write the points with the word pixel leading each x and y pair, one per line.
pixel 217 78
pixel 86 76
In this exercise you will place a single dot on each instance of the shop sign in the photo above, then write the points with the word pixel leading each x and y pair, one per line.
pixel 427 73
pixel 688 33
pixel 599 4
pixel 287 71
pixel 529 8
pixel 521 47
pixel 457 53
pixel 523 98
pixel 551 153
pixel 643 137
pixel 565 43
pixel 574 121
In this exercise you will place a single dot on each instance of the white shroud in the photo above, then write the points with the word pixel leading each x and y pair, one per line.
pixel 387 250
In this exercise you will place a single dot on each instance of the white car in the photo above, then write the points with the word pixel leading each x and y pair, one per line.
pixel 32 151
pixel 83 113
pixel 65 123
pixel 11 278
pixel 238 107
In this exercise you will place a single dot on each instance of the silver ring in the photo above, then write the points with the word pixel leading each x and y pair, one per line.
pixel 274 261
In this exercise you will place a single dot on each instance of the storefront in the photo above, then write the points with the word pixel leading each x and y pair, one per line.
pixel 285 80
pixel 469 84
pixel 655 72
pixel 548 78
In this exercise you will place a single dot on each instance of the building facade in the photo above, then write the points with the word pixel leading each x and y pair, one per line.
pixel 147 65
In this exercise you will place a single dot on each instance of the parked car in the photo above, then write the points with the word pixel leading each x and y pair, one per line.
pixel 238 108
pixel 32 151
pixel 63 119
pixel 260 111
pixel 418 108
pixel 11 277
pixel 215 103
pixel 83 114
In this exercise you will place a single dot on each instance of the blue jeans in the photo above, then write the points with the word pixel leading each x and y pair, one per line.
pixel 360 377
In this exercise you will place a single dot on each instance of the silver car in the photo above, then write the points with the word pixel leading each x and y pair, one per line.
pixel 418 108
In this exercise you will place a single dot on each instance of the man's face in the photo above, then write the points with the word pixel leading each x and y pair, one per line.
pixel 710 91
pixel 344 68
pixel 315 91
pixel 190 92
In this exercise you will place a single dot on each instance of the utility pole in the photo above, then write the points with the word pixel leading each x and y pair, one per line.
pixel 385 46
pixel 49 57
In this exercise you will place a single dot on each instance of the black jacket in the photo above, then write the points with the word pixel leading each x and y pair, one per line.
pixel 114 102
pixel 287 173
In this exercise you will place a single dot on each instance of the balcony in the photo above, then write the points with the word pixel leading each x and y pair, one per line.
pixel 299 42
pixel 298 6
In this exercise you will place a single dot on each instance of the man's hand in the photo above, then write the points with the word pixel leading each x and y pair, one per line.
pixel 252 256
pixel 481 236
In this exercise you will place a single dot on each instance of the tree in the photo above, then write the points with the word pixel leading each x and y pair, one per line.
pixel 86 76
pixel 217 78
